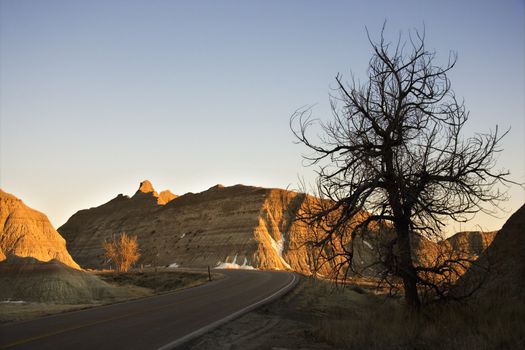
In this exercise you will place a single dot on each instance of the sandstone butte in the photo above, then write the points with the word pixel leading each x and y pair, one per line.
pixel 28 233
pixel 242 225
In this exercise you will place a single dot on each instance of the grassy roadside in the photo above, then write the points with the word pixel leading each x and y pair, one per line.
pixel 316 315
pixel 386 324
pixel 160 281
pixel 381 322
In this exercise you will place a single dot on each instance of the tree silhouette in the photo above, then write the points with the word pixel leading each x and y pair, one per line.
pixel 394 149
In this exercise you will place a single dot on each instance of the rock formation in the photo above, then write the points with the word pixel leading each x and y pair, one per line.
pixel 239 225
pixel 500 270
pixel 243 225
pixel 471 243
pixel 371 248
pixel 165 197
pixel 147 192
pixel 26 232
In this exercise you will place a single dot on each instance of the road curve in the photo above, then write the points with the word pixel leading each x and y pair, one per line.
pixel 163 321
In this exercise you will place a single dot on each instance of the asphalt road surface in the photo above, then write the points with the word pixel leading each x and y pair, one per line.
pixel 163 321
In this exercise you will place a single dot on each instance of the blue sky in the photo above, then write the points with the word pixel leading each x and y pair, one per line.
pixel 97 95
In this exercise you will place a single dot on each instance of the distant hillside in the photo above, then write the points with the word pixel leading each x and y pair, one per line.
pixel 26 232
pixel 471 243
pixel 371 249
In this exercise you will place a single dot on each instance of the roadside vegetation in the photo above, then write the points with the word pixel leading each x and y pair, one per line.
pixel 123 251
pixel 159 281
pixel 378 322
pixel 318 315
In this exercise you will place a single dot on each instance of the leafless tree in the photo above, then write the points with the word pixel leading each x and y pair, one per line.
pixel 122 250
pixel 392 159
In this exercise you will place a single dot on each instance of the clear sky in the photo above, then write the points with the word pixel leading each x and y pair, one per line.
pixel 96 96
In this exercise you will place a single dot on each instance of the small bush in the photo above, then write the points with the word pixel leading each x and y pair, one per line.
pixel 123 251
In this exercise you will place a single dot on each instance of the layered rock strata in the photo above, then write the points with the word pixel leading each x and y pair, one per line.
pixel 242 225
pixel 239 226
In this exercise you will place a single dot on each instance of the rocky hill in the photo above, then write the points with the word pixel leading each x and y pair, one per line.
pixel 372 248
pixel 26 232
pixel 242 225
pixel 471 243
pixel 500 270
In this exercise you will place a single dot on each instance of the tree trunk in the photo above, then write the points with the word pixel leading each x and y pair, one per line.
pixel 406 266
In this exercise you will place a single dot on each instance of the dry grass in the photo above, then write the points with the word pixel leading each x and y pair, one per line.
pixel 317 315
pixel 160 281
pixel 378 323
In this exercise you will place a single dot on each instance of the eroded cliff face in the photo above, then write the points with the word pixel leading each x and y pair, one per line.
pixel 220 225
pixel 26 232
pixel 242 225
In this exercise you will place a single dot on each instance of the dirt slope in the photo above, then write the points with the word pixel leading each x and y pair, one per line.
pixel 27 232
pixel 29 279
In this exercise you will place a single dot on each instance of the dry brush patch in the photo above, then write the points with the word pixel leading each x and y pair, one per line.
pixel 380 323
pixel 317 314
pixel 122 251
pixel 158 281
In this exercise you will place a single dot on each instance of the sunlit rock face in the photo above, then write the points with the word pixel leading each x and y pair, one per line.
pixel 146 192
pixel 147 187
pixel 165 197
pixel 26 232
pixel 240 225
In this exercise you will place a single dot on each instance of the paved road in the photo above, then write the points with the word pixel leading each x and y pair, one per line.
pixel 149 323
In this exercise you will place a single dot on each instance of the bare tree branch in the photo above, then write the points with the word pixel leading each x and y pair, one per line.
pixel 394 150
